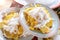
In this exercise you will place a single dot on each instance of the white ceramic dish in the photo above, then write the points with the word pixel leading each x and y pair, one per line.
pixel 2 12
pixel 49 3
pixel 54 28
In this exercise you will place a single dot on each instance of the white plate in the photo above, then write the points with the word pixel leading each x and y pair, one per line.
pixel 54 28
pixel 49 3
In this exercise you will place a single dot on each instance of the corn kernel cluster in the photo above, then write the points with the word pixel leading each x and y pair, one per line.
pixel 30 21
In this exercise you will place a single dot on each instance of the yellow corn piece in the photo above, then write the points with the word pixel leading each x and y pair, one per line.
pixel 16 38
pixel 49 24
pixel 10 15
pixel 45 29
pixel 37 5
pixel 51 38
pixel 1 25
pixel 31 28
pixel 20 30
pixel 28 9
pixel 7 17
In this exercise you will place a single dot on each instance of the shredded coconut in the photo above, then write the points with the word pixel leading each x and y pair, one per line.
pixel 42 15
pixel 12 25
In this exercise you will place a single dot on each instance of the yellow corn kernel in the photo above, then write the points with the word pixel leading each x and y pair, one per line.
pixel 1 25
pixel 37 5
pixel 45 29
pixel 5 21
pixel 20 30
pixel 49 24
pixel 35 22
pixel 16 38
pixel 8 16
pixel 51 38
pixel 28 9
pixel 31 28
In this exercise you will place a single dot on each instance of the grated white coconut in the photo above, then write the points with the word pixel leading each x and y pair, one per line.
pixel 12 25
pixel 41 13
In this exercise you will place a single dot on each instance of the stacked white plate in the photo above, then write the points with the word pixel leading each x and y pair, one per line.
pixel 49 3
